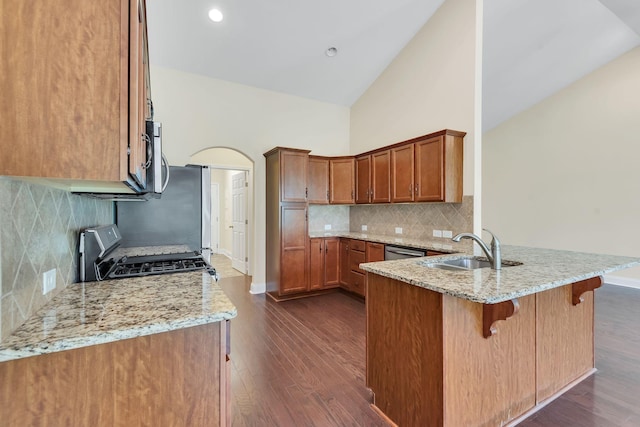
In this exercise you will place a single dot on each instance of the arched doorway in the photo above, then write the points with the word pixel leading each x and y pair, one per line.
pixel 232 180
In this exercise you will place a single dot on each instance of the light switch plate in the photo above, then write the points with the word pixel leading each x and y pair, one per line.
pixel 437 233
pixel 364 228
pixel 48 281
pixel 398 230
pixel 447 234
pixel 327 226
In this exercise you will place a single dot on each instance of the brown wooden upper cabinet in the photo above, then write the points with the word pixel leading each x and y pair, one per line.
pixel 318 180
pixel 74 101
pixel 402 167
pixel 363 179
pixel 293 175
pixel 342 180
pixel 373 177
pixel 428 169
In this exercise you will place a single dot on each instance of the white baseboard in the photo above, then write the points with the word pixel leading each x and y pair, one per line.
pixel 622 281
pixel 225 253
pixel 258 288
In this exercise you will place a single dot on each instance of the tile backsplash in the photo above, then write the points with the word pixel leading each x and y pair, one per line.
pixel 417 220
pixel 337 216
pixel 39 231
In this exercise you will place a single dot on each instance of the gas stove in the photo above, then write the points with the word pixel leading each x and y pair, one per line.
pixel 137 266
pixel 97 244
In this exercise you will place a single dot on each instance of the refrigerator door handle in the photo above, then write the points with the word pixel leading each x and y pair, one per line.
pixel 206 207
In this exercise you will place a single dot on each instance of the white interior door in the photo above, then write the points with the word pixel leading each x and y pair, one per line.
pixel 215 218
pixel 239 221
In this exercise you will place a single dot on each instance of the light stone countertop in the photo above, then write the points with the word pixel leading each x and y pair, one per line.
pixel 541 269
pixel 440 245
pixel 92 313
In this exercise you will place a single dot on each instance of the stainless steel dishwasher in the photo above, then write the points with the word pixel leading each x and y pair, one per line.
pixel 399 252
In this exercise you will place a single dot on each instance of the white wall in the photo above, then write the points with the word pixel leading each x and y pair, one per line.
pixel 199 112
pixel 565 173
pixel 430 85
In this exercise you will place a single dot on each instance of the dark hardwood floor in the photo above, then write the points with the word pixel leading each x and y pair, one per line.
pixel 302 363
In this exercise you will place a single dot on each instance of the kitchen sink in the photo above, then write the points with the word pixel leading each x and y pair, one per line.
pixel 468 263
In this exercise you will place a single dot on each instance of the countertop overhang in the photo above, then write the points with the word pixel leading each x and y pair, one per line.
pixel 541 269
pixel 93 313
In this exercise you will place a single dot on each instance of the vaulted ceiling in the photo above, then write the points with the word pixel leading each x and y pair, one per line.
pixel 532 48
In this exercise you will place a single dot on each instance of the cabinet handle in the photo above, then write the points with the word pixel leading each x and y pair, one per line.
pixel 320 247
pixel 416 189
pixel 352 195
pixel 326 248
pixel 306 193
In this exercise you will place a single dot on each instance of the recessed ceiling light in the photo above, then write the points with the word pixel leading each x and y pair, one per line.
pixel 331 52
pixel 215 15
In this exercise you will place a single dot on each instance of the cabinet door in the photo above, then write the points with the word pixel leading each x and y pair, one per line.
pixel 375 252
pixel 316 263
pixel 342 181
pixel 137 93
pixel 363 179
pixel 293 176
pixel 429 174
pixel 331 262
pixel 318 180
pixel 402 164
pixel 381 177
pixel 65 90
pixel 345 270
pixel 293 266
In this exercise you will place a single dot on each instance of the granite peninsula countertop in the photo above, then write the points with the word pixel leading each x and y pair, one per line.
pixel 440 245
pixel 92 313
pixel 541 269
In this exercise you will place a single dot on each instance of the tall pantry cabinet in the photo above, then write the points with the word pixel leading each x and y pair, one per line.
pixel 287 221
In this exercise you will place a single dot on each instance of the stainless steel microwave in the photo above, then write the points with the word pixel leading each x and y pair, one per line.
pixel 157 171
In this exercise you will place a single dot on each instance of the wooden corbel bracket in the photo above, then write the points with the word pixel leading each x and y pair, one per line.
pixel 491 313
pixel 579 288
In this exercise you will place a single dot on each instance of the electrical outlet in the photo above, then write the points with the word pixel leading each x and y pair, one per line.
pixel 327 226
pixel 364 228
pixel 437 233
pixel 48 281
pixel 398 230
pixel 447 234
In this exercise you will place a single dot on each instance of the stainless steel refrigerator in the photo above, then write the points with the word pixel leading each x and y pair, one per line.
pixel 182 216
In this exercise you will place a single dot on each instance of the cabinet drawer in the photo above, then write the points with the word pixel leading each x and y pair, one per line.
pixel 355 259
pixel 358 245
pixel 358 283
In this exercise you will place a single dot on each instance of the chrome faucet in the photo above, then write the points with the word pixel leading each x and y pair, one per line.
pixel 494 255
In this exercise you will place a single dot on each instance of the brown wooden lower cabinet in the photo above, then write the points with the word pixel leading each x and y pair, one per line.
pixel 345 270
pixel 323 263
pixel 175 378
pixel 429 364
